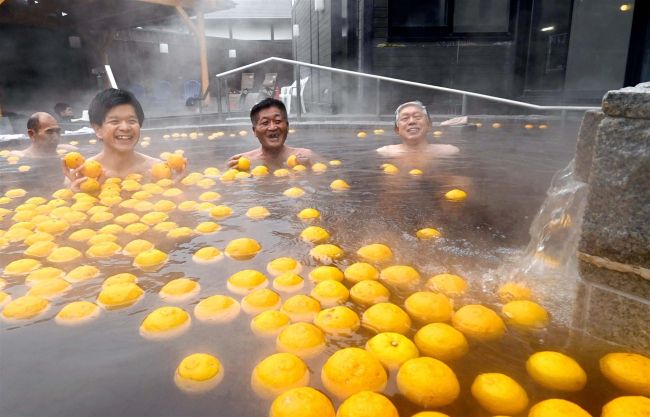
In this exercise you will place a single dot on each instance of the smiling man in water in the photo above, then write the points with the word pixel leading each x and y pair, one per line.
pixel 116 116
pixel 271 126
pixel 412 125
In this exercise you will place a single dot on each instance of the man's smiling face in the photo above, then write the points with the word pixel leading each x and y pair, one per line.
pixel 413 124
pixel 271 128
pixel 120 130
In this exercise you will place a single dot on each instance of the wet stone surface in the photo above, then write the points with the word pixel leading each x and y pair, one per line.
pixel 615 317
pixel 585 144
pixel 617 217
pixel 632 102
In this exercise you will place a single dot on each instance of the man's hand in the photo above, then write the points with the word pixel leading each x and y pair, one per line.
pixel 232 162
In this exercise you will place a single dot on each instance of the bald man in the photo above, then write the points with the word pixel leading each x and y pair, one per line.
pixel 44 133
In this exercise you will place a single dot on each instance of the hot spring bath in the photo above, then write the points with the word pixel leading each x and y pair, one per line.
pixel 106 368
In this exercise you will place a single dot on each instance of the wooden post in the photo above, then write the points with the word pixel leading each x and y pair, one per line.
pixel 199 32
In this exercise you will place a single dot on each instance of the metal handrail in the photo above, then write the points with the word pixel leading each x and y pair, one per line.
pixel 463 93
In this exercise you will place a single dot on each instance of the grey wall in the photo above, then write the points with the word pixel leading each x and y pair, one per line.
pixel 600 38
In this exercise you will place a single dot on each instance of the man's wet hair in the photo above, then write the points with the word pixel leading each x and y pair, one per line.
pixel 60 107
pixel 109 98
pixel 267 103
pixel 411 103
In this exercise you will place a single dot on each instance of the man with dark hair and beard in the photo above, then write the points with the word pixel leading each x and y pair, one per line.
pixel 271 126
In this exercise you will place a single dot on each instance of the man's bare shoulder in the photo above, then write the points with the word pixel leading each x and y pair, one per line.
pixel 390 150
pixel 443 150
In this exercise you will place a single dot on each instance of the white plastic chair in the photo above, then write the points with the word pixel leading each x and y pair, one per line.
pixel 288 92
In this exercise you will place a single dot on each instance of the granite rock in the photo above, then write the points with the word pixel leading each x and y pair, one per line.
pixel 616 221
pixel 585 143
pixel 632 102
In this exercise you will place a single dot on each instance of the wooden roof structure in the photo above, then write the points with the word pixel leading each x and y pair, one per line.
pixel 98 20
pixel 94 15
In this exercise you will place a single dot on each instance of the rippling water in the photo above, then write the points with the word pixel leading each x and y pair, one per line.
pixel 105 368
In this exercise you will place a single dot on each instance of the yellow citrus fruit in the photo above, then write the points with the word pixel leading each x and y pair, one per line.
pixel 330 293
pixel 302 339
pixel 119 295
pixel 428 382
pixel 63 254
pixel 308 214
pixel 386 317
pixel 121 278
pixel 434 414
pixel 499 394
pixel 361 271
pixel 631 406
pixel 246 281
pixel 91 169
pixel 279 266
pixel 478 322
pixel 73 160
pixel 243 164
pixel 557 408
pixel 292 161
pixel 367 404
pixel 400 276
pixel 456 195
pixel 429 307
pixel 303 402
pixel 25 307
pixel 512 291
pixel 165 322
pixel 179 289
pixel 427 233
pixel 319 167
pixel 242 248
pixel 325 272
pixel 369 292
pixel 257 212
pixel 339 320
pixel 628 371
pixel 375 252
pixel 525 314
pixel 557 371
pixel 198 372
pixel 260 171
pixel 339 185
pixel 150 259
pixel 326 253
pixel 161 171
pixel 261 300
pixel 301 308
pixel 441 341
pixel 352 370
pixel 288 282
pixel 217 309
pixel 278 373
pixel 77 312
pixel 207 254
pixel 90 186
pixel 314 234
pixel 49 288
pixel 269 323
pixel 82 273
pixel 175 161
pixel 392 349
pixel 449 284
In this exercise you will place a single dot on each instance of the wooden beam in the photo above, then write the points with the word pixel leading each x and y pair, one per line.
pixel 188 4
pixel 1 1
pixel 188 21
pixel 203 51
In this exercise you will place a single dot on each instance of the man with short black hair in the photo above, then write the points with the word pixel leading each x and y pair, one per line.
pixel 116 116
pixel 63 112
pixel 271 126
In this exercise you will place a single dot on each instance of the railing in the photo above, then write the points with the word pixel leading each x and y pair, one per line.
pixel 464 94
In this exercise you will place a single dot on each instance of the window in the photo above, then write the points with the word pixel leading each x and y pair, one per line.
pixel 444 19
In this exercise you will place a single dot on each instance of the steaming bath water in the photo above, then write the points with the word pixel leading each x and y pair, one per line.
pixel 106 368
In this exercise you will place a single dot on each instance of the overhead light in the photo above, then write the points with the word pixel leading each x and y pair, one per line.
pixel 139 27
pixel 547 28
pixel 64 14
pixel 625 7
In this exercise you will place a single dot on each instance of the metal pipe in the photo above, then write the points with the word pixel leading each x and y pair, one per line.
pixel 378 96
pixel 463 106
pixel 296 76
pixel 411 83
